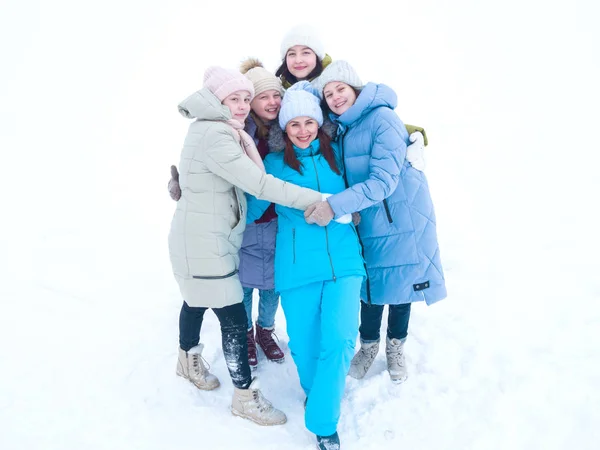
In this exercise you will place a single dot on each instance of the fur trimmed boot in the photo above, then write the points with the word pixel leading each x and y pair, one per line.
pixel 396 362
pixel 190 365
pixel 250 404
pixel 361 363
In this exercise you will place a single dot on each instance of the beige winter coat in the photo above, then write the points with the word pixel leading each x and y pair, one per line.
pixel 207 227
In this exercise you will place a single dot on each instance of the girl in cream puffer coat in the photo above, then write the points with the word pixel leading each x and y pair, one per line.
pixel 219 161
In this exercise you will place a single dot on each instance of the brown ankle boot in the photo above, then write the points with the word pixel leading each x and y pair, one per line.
pixel 264 338
pixel 252 358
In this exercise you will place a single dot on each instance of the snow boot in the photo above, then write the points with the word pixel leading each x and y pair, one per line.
pixel 190 365
pixel 250 404
pixel 264 338
pixel 396 363
pixel 361 363
pixel 328 442
pixel 252 357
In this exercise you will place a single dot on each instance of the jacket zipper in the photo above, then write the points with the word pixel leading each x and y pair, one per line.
pixel 362 247
pixel 387 210
pixel 215 277
pixel 326 232
pixel 294 244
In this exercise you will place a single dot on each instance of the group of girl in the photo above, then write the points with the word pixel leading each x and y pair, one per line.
pixel 339 224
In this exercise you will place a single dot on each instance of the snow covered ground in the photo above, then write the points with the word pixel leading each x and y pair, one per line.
pixel 88 323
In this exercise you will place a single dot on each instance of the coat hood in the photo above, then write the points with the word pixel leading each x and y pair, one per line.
pixel 372 96
pixel 204 105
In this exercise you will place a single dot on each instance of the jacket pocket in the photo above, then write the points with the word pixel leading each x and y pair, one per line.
pixel 387 210
pixel 214 277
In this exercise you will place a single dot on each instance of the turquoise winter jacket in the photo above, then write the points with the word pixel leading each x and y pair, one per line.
pixel 309 253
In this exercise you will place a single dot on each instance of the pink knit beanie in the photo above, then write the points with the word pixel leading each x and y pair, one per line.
pixel 223 82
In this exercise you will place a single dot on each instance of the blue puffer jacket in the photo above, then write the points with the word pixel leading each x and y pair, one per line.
pixel 397 228
pixel 309 253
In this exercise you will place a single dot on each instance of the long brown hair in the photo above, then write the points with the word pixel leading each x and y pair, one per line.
pixel 289 155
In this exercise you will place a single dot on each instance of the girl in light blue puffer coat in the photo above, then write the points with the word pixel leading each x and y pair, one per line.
pixel 318 270
pixel 398 225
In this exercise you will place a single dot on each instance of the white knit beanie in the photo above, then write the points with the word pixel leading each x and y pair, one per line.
pixel 223 82
pixel 300 100
pixel 303 35
pixel 337 71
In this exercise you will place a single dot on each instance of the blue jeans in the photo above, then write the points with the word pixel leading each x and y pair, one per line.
pixel 322 323
pixel 370 321
pixel 268 301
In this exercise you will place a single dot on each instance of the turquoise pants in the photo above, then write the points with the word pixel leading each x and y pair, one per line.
pixel 322 323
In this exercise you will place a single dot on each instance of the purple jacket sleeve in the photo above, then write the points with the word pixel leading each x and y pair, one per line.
pixel 385 163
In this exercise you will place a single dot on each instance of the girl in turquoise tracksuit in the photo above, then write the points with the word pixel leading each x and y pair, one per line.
pixel 318 270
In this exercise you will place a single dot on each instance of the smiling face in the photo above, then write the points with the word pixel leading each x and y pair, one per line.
pixel 302 131
pixel 300 61
pixel 239 105
pixel 339 96
pixel 266 105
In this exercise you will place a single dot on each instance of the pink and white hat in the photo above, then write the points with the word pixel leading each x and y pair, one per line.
pixel 223 82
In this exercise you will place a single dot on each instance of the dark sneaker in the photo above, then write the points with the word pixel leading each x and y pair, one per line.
pixel 328 442
pixel 252 359
pixel 264 338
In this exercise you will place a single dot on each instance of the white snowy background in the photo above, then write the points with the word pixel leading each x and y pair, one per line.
pixel 508 92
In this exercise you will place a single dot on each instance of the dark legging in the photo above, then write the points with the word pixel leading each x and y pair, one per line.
pixel 233 334
pixel 370 321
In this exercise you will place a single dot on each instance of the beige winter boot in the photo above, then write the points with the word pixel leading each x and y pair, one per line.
pixel 190 365
pixel 361 363
pixel 394 351
pixel 250 404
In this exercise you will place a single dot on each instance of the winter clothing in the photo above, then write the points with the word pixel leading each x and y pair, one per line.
pixel 252 355
pixel 302 35
pixel 308 253
pixel 397 227
pixel 300 100
pixel 206 230
pixel 224 82
pixel 370 321
pixel 190 365
pixel 264 338
pixel 362 361
pixel 318 272
pixel 415 153
pixel 328 442
pixel 233 335
pixel 261 79
pixel 322 323
pixel 257 254
pixel 267 303
pixel 396 362
pixel 337 71
pixel 250 404
pixel 174 188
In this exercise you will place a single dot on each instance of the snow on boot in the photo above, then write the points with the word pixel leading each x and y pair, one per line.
pixel 250 404
pixel 190 365
pixel 264 338
pixel 394 351
pixel 328 442
pixel 361 363
pixel 252 358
